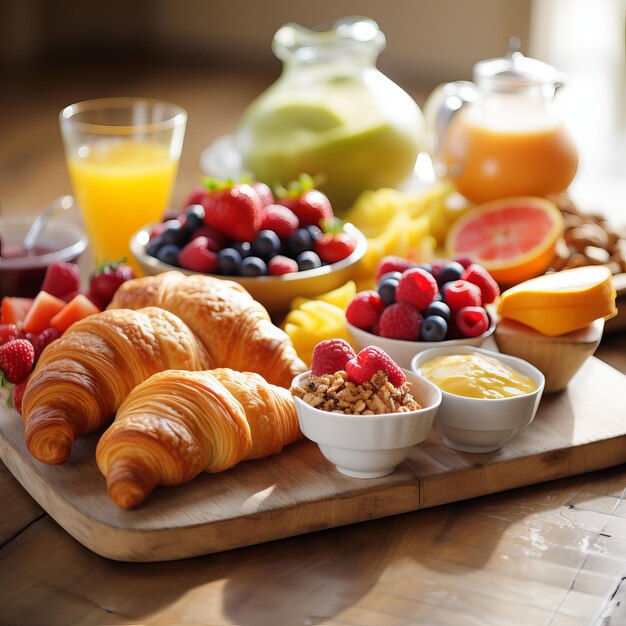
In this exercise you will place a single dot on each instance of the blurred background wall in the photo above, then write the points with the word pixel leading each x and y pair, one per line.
pixel 428 40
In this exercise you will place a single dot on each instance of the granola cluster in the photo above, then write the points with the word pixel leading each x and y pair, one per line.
pixel 335 392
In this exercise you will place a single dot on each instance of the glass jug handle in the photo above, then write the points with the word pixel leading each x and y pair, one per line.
pixel 441 106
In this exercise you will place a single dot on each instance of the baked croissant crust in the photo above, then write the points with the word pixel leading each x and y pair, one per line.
pixel 235 329
pixel 178 424
pixel 81 379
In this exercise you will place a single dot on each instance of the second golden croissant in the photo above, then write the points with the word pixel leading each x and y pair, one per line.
pixel 178 424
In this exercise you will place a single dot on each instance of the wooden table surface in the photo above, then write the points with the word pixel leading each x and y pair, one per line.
pixel 549 554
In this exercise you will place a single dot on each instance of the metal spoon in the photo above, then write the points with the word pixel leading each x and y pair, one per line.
pixel 58 205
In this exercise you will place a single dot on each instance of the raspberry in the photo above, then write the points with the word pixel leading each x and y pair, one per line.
pixel 370 360
pixel 464 259
pixel 364 310
pixel 472 321
pixel 279 265
pixel 400 321
pixel 417 287
pixel 460 293
pixel 280 219
pixel 392 264
pixel 479 276
pixel 197 257
pixel 330 356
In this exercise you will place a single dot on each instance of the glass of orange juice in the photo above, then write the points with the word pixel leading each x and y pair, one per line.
pixel 122 155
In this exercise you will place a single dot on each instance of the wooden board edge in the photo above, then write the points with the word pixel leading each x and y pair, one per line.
pixel 482 480
pixel 168 544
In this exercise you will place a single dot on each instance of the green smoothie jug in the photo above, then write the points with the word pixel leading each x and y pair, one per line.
pixel 332 114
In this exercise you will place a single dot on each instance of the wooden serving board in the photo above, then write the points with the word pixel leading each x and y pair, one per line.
pixel 298 491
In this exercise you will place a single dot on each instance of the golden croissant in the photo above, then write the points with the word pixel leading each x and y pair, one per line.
pixel 178 424
pixel 235 329
pixel 81 379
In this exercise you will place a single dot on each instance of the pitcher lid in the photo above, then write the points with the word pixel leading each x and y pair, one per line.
pixel 514 70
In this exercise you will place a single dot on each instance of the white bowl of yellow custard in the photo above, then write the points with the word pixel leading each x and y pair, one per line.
pixel 487 397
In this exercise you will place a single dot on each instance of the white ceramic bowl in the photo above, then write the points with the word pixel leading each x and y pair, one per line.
pixel 370 446
pixel 402 351
pixel 275 293
pixel 477 424
pixel 61 240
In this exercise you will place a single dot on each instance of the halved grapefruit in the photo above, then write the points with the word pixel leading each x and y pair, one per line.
pixel 513 239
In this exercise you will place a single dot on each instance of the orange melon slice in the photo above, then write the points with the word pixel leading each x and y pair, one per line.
pixel 513 239
pixel 561 302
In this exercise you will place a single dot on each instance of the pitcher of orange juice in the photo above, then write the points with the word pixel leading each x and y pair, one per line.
pixel 499 136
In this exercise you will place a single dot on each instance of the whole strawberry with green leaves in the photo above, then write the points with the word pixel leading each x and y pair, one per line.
pixel 233 209
pixel 309 205
pixel 335 244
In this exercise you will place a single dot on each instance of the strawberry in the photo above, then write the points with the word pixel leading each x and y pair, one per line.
pixel 392 263
pixel 310 205
pixel 195 197
pixel 335 245
pixel 233 209
pixel 62 280
pixel 280 219
pixel 17 395
pixel 331 356
pixel 16 359
pixel 8 332
pixel 370 360
pixel 105 280
pixel 265 193
pixel 198 257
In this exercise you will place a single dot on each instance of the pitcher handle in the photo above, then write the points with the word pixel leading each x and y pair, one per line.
pixel 441 106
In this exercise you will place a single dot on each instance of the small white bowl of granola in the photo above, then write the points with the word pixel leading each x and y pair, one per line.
pixel 362 443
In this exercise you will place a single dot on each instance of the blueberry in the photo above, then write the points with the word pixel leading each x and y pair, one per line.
pixel 252 266
pixel 387 290
pixel 266 245
pixel 168 253
pixel 449 272
pixel 195 217
pixel 433 328
pixel 315 231
pixel 437 308
pixel 243 247
pixel 300 241
pixel 173 233
pixel 154 245
pixel 394 275
pixel 228 261
pixel 308 260
pixel 438 297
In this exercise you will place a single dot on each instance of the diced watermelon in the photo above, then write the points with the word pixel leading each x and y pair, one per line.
pixel 76 309
pixel 44 308
pixel 14 309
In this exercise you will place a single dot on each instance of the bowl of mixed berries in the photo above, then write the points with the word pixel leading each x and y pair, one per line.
pixel 417 306
pixel 276 245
